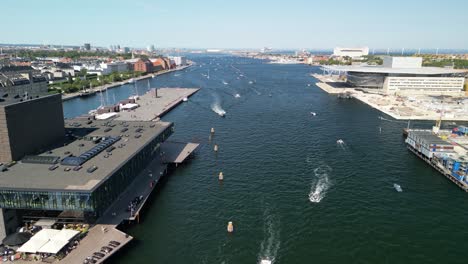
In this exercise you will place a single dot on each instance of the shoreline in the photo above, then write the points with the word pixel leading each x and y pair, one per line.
pixel 66 97
pixel 391 108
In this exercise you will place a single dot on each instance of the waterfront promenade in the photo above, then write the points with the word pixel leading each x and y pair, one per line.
pixel 69 96
pixel 416 107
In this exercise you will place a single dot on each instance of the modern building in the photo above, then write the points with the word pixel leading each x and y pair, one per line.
pixel 18 116
pixel 350 52
pixel 22 80
pixel 402 75
pixel 179 60
pixel 87 46
pixel 117 66
pixel 78 167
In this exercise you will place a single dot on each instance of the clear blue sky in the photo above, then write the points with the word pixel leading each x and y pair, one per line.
pixel 237 23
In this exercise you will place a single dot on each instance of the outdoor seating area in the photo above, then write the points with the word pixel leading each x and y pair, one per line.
pixel 34 243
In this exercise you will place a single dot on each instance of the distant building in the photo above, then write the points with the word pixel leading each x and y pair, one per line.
pixel 180 61
pixel 118 66
pixel 350 52
pixel 125 49
pixel 87 46
pixel 150 48
pixel 403 75
pixel 20 80
pixel 162 63
pixel 143 65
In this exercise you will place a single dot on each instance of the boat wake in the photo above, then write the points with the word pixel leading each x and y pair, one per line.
pixel 321 184
pixel 216 107
pixel 271 242
pixel 341 144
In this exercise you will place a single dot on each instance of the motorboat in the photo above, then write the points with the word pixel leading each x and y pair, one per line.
pixel 313 113
pixel 185 99
pixel 340 141
pixel 265 261
pixel 237 95
pixel 397 187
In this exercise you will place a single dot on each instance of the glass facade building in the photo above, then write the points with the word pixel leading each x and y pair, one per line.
pixel 94 201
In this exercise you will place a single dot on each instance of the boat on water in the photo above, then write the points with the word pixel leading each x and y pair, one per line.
pixel 185 99
pixel 265 261
pixel 397 187
pixel 131 80
pixel 313 113
pixel 237 95
pixel 87 93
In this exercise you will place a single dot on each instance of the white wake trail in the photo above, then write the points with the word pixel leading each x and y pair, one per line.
pixel 320 184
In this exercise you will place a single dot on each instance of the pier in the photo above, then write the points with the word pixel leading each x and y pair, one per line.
pixel 443 171
pixel 144 186
pixel 153 107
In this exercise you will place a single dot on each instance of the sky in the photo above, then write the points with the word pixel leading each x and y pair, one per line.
pixel 286 24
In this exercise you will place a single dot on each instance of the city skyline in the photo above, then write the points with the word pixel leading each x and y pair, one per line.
pixel 240 24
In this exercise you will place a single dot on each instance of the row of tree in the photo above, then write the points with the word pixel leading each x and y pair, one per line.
pixel 84 81
pixel 73 54
pixel 456 63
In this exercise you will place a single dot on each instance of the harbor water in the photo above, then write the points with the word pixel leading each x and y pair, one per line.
pixel 294 192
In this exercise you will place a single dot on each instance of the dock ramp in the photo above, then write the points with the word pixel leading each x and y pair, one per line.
pixel 177 152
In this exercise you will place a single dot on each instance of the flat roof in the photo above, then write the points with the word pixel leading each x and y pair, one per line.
pixel 380 69
pixel 38 177
pixel 10 99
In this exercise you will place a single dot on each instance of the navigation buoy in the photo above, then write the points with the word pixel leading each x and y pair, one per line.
pixel 216 148
pixel 230 227
pixel 221 176
pixel 212 130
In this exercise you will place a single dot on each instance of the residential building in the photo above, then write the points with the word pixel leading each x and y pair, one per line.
pixel 21 80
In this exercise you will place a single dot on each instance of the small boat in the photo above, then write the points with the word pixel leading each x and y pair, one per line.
pixel 225 83
pixel 339 141
pixel 313 113
pixel 250 82
pixel 185 99
pixel 131 81
pixel 222 114
pixel 308 84
pixel 237 95
pixel 265 261
pixel 87 93
pixel 397 187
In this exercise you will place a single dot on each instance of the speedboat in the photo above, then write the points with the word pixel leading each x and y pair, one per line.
pixel 222 114
pixel 313 113
pixel 237 95
pixel 265 261
pixel 340 141
pixel 397 187
pixel 185 99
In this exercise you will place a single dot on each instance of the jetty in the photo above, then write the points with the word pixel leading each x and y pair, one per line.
pixel 156 103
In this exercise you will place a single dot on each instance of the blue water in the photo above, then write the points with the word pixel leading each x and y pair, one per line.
pixel 293 193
